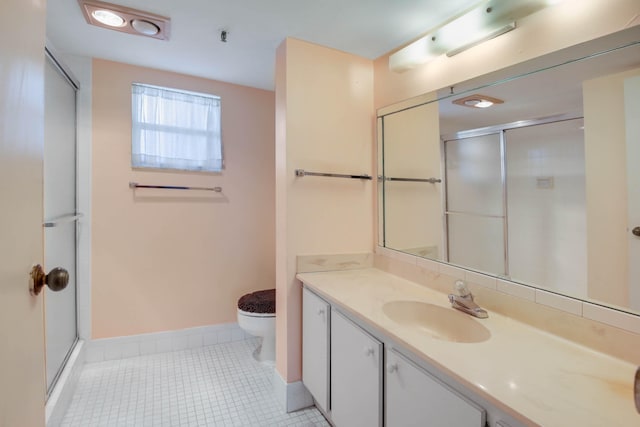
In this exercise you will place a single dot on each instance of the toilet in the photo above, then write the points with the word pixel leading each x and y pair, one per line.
pixel 257 317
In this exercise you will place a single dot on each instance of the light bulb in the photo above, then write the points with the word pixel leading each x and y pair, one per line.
pixel 109 18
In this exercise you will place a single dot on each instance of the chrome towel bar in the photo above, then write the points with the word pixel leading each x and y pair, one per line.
pixel 302 172
pixel 134 185
pixel 429 180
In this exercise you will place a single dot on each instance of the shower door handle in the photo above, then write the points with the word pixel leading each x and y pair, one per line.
pixel 57 279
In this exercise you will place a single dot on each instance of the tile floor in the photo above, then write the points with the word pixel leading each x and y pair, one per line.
pixel 219 385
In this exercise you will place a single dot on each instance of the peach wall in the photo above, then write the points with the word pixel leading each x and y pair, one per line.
pixel 563 25
pixel 606 181
pixel 165 260
pixel 325 123
pixel 413 212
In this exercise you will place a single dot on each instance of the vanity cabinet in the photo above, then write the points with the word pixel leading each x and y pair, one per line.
pixel 343 367
pixel 413 398
pixel 315 347
pixel 356 375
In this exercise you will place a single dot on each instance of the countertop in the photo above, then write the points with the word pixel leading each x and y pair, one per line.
pixel 536 376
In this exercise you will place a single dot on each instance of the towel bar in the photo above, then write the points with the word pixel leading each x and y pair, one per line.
pixel 134 185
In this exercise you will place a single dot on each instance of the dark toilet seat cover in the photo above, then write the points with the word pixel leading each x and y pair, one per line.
pixel 259 302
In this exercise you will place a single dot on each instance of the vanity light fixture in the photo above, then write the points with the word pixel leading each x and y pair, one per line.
pixel 486 35
pixel 478 101
pixel 125 19
pixel 417 53
pixel 487 19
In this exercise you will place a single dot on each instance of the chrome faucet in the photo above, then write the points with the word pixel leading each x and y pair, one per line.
pixel 464 301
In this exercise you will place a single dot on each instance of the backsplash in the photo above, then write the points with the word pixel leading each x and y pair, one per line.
pixel 315 263
pixel 600 328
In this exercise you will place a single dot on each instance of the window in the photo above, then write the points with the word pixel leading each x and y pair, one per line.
pixel 173 129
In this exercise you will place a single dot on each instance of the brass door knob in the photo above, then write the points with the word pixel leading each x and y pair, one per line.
pixel 636 231
pixel 57 279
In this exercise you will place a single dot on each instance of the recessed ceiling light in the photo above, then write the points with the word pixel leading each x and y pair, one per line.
pixel 478 101
pixel 125 19
pixel 109 18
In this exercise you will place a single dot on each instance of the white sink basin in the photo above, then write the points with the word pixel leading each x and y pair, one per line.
pixel 438 322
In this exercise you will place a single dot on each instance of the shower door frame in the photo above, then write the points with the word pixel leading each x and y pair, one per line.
pixel 490 130
pixel 67 75
pixel 493 130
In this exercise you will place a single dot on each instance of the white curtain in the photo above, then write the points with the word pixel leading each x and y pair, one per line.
pixel 175 130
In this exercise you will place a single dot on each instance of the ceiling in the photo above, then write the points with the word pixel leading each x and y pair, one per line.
pixel 369 28
pixel 550 92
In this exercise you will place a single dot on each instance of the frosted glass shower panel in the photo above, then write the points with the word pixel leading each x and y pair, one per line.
pixel 59 202
pixel 477 242
pixel 474 175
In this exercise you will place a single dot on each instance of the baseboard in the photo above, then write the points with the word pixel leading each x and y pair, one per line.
pixel 60 398
pixel 161 342
pixel 291 396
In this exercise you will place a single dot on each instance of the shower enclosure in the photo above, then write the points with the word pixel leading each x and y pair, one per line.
pixel 60 213
pixel 514 193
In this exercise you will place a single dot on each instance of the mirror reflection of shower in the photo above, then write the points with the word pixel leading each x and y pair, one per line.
pixel 516 203
pixel 546 200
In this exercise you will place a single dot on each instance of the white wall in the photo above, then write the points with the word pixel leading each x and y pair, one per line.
pixel 606 167
pixel 547 219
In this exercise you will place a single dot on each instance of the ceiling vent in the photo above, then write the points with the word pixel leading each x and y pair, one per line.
pixel 125 19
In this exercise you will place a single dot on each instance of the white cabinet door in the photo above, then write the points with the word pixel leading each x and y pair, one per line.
pixel 415 398
pixel 356 375
pixel 315 347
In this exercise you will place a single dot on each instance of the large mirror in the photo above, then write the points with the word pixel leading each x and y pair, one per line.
pixel 540 188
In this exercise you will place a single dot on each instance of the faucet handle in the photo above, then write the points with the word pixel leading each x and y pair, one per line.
pixel 462 289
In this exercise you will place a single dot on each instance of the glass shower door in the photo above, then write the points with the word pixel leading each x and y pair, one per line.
pixel 475 209
pixel 60 216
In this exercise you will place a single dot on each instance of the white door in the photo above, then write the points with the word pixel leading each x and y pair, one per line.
pixel 22 377
pixel 632 112
pixel 60 214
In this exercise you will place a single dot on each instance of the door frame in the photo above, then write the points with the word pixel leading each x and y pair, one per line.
pixel 80 70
